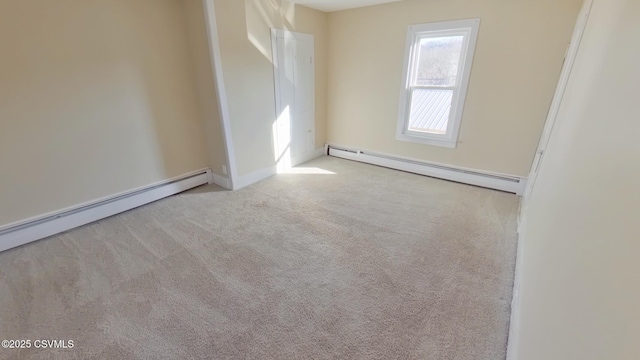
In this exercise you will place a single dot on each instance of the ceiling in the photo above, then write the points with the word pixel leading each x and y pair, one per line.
pixel 335 5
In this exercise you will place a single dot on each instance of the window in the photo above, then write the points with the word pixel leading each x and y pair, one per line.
pixel 436 76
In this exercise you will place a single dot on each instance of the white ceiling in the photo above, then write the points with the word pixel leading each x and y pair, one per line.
pixel 335 5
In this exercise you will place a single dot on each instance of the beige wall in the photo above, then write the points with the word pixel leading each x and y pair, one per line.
pixel 205 84
pixel 245 42
pixel 517 63
pixel 580 290
pixel 96 98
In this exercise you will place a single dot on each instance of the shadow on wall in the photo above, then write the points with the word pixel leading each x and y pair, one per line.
pixel 262 15
pixel 135 95
pixel 96 95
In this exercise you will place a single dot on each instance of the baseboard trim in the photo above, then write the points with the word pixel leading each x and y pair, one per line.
pixel 221 181
pixel 507 183
pixel 308 156
pixel 257 176
pixel 254 177
pixel 24 232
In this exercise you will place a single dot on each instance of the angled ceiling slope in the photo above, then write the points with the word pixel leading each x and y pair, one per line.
pixel 336 5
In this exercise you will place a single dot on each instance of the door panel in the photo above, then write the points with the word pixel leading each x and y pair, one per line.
pixel 295 97
pixel 304 126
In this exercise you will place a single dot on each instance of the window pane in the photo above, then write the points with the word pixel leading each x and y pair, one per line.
pixel 438 61
pixel 430 110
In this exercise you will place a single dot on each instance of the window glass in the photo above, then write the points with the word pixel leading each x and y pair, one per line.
pixel 430 109
pixel 438 61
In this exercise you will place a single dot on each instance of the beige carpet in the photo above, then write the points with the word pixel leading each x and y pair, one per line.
pixel 366 263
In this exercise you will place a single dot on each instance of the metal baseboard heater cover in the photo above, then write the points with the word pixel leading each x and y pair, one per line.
pixel 506 183
pixel 24 232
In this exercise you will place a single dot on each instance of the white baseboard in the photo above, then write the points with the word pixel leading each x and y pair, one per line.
pixel 308 156
pixel 254 177
pixel 257 176
pixel 221 181
pixel 507 183
pixel 24 232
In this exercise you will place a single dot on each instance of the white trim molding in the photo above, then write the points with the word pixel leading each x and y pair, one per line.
pixel 263 174
pixel 556 103
pixel 496 181
pixel 308 156
pixel 254 177
pixel 37 228
pixel 221 181
pixel 216 64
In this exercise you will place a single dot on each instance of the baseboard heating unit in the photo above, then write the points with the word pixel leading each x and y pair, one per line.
pixel 24 232
pixel 507 183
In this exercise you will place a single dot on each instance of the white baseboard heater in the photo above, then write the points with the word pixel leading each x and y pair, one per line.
pixel 507 183
pixel 24 232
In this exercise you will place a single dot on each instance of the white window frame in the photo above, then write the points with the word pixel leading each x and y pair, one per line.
pixel 469 30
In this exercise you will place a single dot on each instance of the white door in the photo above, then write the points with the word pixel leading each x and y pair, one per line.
pixel 294 75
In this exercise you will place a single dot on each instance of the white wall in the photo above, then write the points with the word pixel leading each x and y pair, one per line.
pixel 519 55
pixel 96 98
pixel 580 292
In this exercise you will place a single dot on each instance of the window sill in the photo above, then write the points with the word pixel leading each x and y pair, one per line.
pixel 451 144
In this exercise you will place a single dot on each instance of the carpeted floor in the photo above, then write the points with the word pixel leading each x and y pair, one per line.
pixel 365 263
